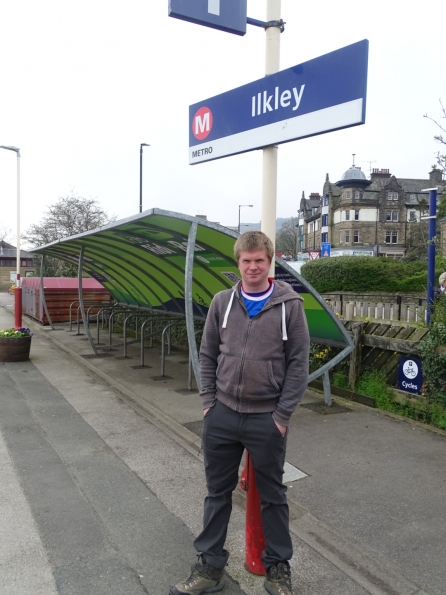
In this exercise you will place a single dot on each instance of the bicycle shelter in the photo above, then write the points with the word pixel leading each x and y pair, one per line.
pixel 164 262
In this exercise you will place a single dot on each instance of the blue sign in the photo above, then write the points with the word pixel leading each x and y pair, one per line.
pixel 321 95
pixel 226 15
pixel 410 375
pixel 325 249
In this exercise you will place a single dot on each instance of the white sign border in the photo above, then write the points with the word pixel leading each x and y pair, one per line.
pixel 329 119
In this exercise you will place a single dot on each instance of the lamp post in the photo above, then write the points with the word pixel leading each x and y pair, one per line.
pixel 18 287
pixel 239 207
pixel 140 174
pixel 431 250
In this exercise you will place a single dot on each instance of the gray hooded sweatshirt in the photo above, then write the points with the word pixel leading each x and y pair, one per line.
pixel 259 364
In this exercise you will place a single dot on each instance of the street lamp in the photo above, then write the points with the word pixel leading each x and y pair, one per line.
pixel 140 174
pixel 431 250
pixel 239 207
pixel 18 286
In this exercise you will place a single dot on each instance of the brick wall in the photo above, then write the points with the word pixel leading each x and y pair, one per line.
pixel 5 275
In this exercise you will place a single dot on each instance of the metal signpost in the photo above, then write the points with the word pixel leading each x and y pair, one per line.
pixel 431 250
pixel 319 96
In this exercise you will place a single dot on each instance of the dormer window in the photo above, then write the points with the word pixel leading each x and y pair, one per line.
pixel 392 196
pixel 347 194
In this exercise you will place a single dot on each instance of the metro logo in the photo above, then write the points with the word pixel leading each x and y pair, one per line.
pixel 202 123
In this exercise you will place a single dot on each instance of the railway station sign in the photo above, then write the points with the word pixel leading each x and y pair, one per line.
pixel 322 95
pixel 226 15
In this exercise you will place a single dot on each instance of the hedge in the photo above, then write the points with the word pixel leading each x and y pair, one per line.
pixel 362 273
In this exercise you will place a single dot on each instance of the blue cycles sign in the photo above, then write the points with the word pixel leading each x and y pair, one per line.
pixel 410 375
pixel 226 15
pixel 321 95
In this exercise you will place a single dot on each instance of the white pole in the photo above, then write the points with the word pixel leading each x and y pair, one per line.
pixel 269 181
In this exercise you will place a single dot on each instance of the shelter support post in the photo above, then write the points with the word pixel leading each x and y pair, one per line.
pixel 42 293
pixel 81 301
pixel 188 302
pixel 327 388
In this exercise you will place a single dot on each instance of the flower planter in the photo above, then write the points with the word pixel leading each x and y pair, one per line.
pixel 14 350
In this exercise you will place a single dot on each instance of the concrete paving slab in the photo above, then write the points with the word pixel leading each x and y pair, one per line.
pixel 86 502
pixel 24 567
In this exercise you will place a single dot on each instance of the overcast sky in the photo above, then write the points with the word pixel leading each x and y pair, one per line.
pixel 84 82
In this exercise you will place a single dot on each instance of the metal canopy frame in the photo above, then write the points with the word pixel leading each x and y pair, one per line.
pixel 174 263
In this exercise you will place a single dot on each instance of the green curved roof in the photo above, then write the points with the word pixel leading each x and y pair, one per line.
pixel 142 262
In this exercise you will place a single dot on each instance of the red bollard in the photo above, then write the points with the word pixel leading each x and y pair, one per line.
pixel 254 539
pixel 18 307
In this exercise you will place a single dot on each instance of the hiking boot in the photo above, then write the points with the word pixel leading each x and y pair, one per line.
pixel 204 578
pixel 278 579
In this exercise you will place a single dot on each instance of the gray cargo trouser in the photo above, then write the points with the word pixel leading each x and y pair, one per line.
pixel 226 434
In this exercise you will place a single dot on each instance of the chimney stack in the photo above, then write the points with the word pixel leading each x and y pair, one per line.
pixel 436 176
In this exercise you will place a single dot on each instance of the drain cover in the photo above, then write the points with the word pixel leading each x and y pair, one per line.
pixel 324 409
pixel 92 355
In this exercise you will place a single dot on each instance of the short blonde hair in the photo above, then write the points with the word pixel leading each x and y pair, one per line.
pixel 253 240
pixel 442 278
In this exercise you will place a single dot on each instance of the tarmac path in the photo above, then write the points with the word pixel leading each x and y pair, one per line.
pixel 101 485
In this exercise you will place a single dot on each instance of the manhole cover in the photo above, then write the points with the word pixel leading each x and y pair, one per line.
pixel 325 409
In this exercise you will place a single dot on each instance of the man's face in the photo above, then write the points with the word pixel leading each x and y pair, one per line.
pixel 254 268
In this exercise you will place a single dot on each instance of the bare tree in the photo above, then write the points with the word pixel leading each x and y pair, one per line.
pixel 286 238
pixel 441 159
pixel 71 215
pixel 5 234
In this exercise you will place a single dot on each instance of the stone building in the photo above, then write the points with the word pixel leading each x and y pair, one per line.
pixel 364 217
pixel 8 265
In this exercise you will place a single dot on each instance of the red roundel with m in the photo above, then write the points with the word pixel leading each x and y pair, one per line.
pixel 202 123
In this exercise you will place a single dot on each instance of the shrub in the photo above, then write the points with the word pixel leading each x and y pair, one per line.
pixel 373 383
pixel 439 310
pixel 365 274
pixel 340 379
pixel 434 364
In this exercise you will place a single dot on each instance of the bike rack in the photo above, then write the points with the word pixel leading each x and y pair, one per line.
pixel 153 334
pixel 167 329
pixel 77 302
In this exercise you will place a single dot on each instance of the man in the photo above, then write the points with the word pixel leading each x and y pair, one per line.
pixel 441 288
pixel 254 370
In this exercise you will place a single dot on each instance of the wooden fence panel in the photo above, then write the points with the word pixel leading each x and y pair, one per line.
pixel 380 347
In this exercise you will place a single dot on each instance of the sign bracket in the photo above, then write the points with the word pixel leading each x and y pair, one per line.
pixel 266 25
